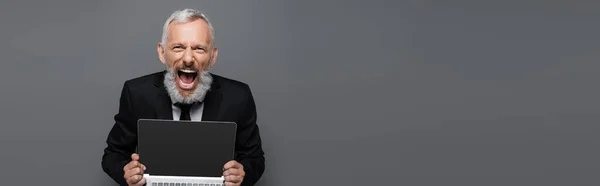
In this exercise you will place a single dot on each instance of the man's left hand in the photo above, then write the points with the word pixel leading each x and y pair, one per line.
pixel 233 172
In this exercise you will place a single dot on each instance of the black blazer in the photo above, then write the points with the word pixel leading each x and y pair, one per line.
pixel 146 98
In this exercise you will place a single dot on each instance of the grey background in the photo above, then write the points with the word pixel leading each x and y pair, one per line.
pixel 426 92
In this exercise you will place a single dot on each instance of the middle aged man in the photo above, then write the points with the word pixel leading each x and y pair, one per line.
pixel 185 91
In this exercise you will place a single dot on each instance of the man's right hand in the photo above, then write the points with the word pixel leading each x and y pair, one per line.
pixel 134 171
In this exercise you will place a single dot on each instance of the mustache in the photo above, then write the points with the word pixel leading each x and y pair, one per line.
pixel 190 68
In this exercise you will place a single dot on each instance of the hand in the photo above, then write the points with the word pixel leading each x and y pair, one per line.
pixel 233 172
pixel 134 171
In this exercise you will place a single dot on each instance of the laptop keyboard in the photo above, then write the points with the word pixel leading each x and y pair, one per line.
pixel 186 184
pixel 183 181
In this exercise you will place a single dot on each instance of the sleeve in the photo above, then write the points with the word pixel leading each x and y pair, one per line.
pixel 248 144
pixel 121 140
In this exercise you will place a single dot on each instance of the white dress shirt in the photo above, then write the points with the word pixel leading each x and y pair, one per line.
pixel 195 112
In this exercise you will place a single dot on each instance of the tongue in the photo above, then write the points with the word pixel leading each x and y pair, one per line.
pixel 186 78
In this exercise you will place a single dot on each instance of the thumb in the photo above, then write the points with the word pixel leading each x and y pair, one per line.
pixel 135 157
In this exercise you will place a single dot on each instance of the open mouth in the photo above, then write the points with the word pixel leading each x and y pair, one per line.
pixel 187 78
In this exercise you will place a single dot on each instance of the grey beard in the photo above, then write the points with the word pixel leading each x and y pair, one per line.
pixel 198 94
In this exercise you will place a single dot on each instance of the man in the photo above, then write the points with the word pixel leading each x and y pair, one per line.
pixel 185 91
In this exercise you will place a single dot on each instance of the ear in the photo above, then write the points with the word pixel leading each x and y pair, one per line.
pixel 161 53
pixel 214 57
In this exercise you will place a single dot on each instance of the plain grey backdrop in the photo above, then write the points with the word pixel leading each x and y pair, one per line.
pixel 417 92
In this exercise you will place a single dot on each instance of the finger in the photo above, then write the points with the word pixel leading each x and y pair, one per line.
pixel 142 182
pixel 135 157
pixel 131 165
pixel 231 184
pixel 143 166
pixel 134 171
pixel 134 179
pixel 232 164
pixel 233 179
pixel 237 172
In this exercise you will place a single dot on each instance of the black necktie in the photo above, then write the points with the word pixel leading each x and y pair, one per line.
pixel 185 111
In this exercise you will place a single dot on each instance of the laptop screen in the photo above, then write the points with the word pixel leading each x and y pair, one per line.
pixel 185 148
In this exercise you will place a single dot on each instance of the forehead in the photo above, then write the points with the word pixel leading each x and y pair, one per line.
pixel 196 31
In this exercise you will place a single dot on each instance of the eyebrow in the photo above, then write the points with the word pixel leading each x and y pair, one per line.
pixel 199 46
pixel 175 44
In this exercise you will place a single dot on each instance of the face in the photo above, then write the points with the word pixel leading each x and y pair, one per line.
pixel 188 51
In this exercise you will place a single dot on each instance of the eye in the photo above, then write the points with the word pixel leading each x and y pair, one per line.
pixel 177 48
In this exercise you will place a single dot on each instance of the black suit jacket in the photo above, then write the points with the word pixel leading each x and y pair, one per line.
pixel 146 98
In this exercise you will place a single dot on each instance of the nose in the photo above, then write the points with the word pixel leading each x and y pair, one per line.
pixel 188 58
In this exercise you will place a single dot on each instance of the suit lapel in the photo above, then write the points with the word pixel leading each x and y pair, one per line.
pixel 163 106
pixel 212 102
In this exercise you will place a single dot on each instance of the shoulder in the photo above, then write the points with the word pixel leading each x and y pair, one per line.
pixel 235 94
pixel 228 85
pixel 145 81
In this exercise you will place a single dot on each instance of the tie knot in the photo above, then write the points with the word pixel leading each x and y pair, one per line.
pixel 183 106
pixel 185 110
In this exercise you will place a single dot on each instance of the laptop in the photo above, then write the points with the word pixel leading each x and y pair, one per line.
pixel 185 153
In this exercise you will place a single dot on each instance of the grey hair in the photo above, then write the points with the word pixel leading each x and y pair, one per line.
pixel 183 16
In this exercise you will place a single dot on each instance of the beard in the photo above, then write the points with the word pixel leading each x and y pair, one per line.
pixel 198 93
